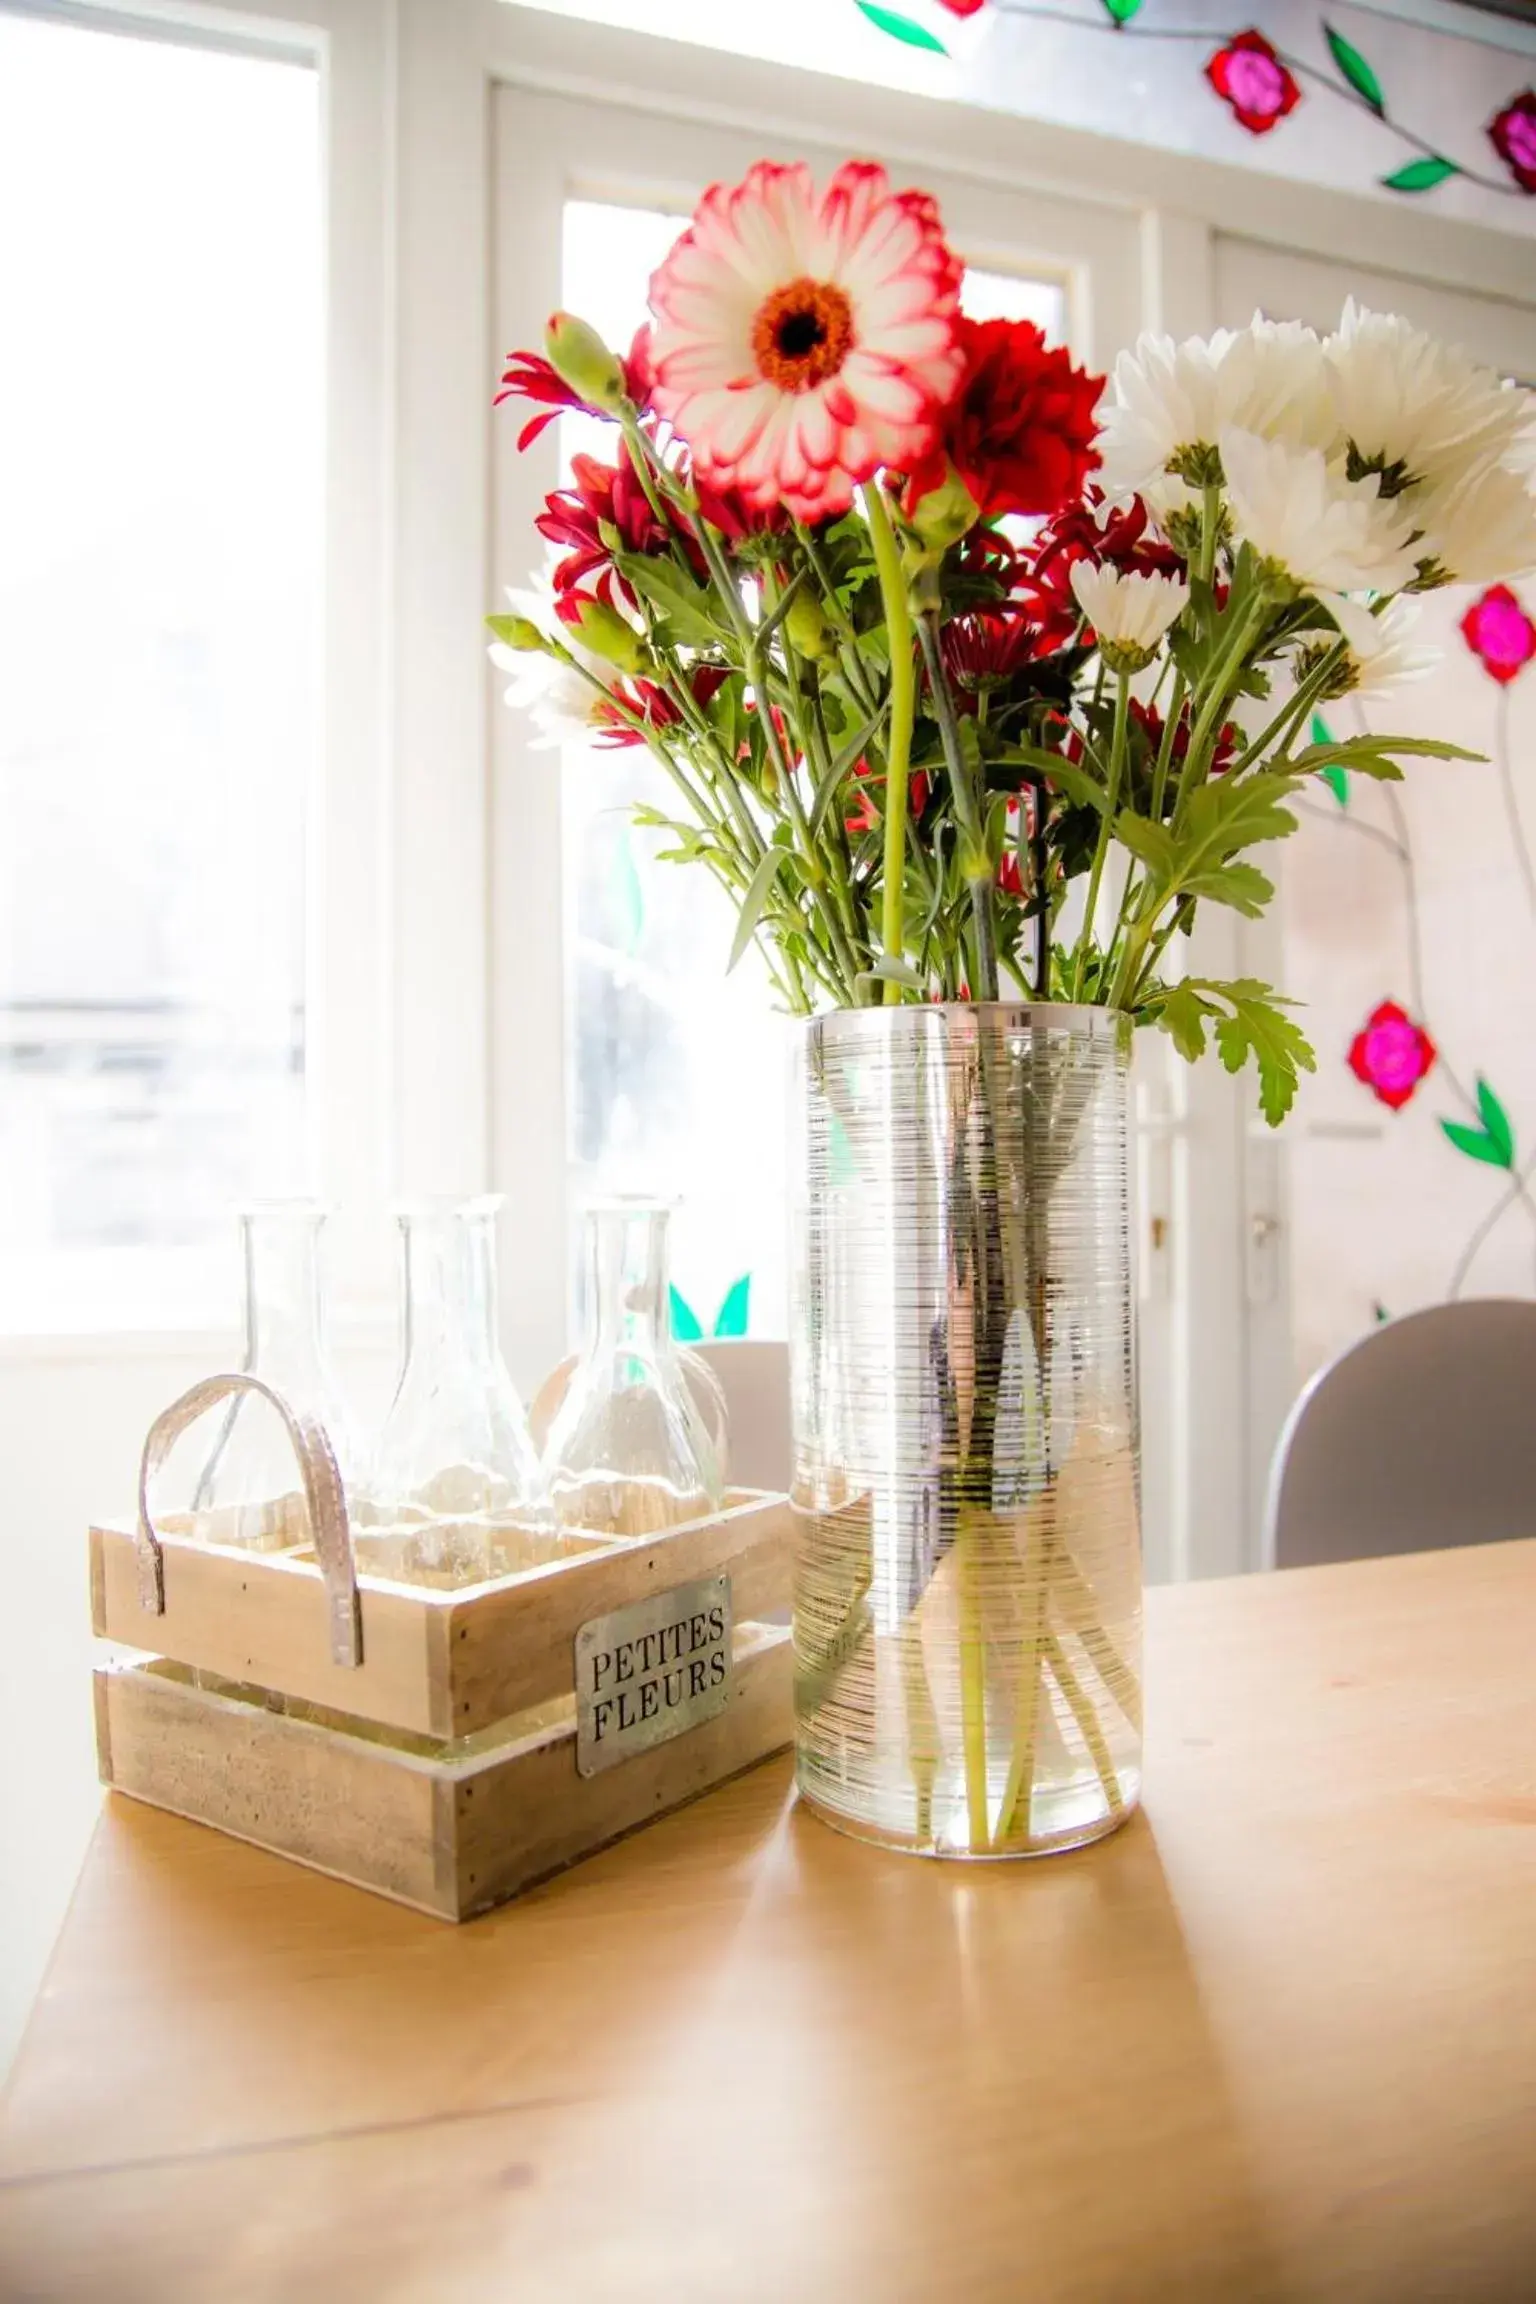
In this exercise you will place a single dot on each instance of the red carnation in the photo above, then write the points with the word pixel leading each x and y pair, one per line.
pixel 1042 576
pixel 1248 75
pixel 1391 1054
pixel 1512 133
pixel 1020 430
pixel 1499 633
pixel 963 7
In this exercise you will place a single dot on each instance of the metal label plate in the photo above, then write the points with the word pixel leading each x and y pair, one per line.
pixel 647 1673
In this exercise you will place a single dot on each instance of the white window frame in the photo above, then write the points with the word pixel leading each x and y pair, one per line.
pixel 424 1079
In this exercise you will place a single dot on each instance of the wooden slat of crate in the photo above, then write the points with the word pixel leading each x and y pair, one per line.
pixel 437 1663
pixel 451 1837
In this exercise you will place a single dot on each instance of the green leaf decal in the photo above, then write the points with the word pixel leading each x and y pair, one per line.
pixel 901 27
pixel 1321 732
pixel 685 1321
pixel 1355 69
pixel 1122 10
pixel 1421 175
pixel 1337 781
pixel 732 1319
pixel 1475 1144
pixel 1496 1120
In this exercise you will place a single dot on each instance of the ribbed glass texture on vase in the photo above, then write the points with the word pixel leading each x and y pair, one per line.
pixel 968 1577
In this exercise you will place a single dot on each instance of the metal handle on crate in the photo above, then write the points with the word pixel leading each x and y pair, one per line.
pixel 323 1495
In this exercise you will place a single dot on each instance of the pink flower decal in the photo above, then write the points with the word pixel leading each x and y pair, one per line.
pixel 1499 633
pixel 1512 133
pixel 1248 75
pixel 1391 1054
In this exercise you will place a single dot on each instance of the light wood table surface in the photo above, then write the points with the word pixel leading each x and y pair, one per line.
pixel 1276 2039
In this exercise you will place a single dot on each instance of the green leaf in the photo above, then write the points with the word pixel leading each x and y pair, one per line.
pixel 688 608
pixel 1374 755
pixel 885 970
pixel 1421 175
pixel 1355 69
pixel 1070 778
pixel 1122 10
pixel 685 1321
pixel 1151 844
pixel 1337 781
pixel 1254 1025
pixel 732 1317
pixel 1475 1144
pixel 901 27
pixel 1496 1120
pixel 1243 886
pixel 832 781
pixel 758 889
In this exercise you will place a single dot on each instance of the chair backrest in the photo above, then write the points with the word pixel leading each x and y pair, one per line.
pixel 753 1374
pixel 1420 1436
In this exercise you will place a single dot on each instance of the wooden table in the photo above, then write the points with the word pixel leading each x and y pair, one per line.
pixel 1277 2039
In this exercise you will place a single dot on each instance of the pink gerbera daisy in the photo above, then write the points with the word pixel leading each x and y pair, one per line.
pixel 805 339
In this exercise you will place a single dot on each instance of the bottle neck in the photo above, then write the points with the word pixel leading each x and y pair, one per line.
pixel 629 1281
pixel 283 1316
pixel 450 1284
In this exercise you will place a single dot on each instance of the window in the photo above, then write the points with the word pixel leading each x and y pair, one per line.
pixel 677 1073
pixel 160 558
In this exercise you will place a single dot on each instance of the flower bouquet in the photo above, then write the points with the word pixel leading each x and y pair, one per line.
pixel 974 682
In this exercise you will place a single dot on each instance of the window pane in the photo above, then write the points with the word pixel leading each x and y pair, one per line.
pixel 678 1072
pixel 160 469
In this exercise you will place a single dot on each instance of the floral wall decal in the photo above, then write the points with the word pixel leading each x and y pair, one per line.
pixel 1493 1139
pixel 1262 83
pixel 1512 133
pixel 1499 633
pixel 1391 1054
pixel 1250 76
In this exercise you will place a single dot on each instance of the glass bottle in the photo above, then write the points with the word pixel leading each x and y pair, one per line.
pixel 248 1491
pixel 628 1453
pixel 455 1494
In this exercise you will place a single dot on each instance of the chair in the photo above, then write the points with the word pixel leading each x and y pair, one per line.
pixel 1422 1435
pixel 753 1374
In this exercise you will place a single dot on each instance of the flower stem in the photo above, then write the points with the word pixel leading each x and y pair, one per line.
pixel 1117 749
pixel 898 748
pixel 978 877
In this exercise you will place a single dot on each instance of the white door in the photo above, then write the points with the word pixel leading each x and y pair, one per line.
pixel 624 1058
pixel 1407 924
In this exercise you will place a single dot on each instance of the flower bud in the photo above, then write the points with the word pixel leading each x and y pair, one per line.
pixel 946 513
pixel 581 359
pixel 603 630
pixel 805 625
pixel 518 632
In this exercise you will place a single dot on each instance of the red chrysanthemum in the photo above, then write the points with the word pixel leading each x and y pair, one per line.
pixel 1499 633
pixel 1150 722
pixel 1020 429
pixel 1512 133
pixel 602 496
pixel 529 376
pixel 989 645
pixel 1248 75
pixel 1391 1054
pixel 654 706
pixel 963 7
pixel 862 815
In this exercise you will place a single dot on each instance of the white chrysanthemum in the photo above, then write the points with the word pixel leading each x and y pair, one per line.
pixel 1129 613
pixel 1480 529
pixel 1382 654
pixel 563 706
pixel 1406 401
pixel 1169 400
pixel 1305 515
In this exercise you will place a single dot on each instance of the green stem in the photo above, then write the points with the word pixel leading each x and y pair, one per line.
pixel 1280 734
pixel 1117 751
pixel 978 875
pixel 898 749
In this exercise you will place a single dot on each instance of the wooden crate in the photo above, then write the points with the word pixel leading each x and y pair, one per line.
pixel 443 1747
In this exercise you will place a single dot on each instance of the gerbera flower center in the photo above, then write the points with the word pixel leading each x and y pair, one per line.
pixel 802 334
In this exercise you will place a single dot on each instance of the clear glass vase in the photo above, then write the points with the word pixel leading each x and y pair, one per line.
pixel 454 1494
pixel 628 1452
pixel 247 1491
pixel 968 1579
